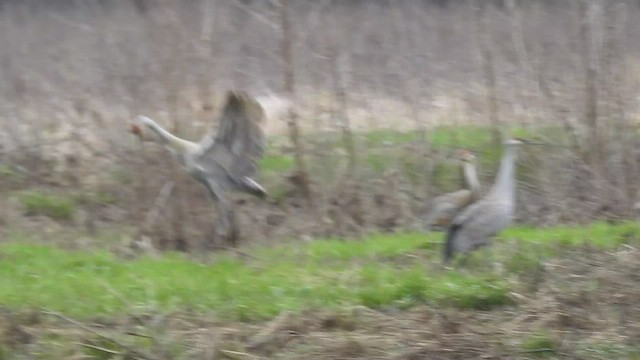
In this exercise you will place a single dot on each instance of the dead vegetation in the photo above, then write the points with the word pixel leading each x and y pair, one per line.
pixel 339 81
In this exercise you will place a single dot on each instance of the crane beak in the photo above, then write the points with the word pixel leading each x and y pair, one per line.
pixel 530 141
pixel 137 131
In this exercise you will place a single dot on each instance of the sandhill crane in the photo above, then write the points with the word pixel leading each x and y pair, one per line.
pixel 477 224
pixel 224 160
pixel 445 207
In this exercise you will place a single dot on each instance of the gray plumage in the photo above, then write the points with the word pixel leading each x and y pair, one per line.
pixel 445 207
pixel 223 160
pixel 477 224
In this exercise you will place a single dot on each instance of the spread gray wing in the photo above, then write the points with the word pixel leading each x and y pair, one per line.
pixel 239 142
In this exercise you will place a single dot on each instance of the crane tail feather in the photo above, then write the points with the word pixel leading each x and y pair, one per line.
pixel 449 248
pixel 252 187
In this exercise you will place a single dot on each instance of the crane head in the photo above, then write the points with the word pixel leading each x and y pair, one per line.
pixel 465 155
pixel 136 130
pixel 137 126
pixel 515 141
pixel 520 141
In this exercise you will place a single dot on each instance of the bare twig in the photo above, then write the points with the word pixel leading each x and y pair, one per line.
pixel 132 351
pixel 289 87
pixel 234 250
pixel 139 335
pixel 119 296
pixel 268 333
pixel 237 354
pixel 535 351
pixel 489 70
pixel 338 65
pixel 263 19
pixel 591 77
pixel 99 348
pixel 158 204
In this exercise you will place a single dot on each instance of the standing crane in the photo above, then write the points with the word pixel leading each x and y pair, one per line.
pixel 477 224
pixel 222 161
pixel 445 207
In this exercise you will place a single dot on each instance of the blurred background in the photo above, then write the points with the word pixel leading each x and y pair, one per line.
pixel 378 94
pixel 368 105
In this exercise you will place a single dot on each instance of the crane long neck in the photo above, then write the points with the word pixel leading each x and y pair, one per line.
pixel 471 178
pixel 505 182
pixel 173 142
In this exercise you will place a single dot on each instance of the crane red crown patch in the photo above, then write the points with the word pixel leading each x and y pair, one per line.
pixel 135 129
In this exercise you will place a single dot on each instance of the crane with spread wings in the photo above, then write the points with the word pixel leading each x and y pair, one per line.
pixel 223 160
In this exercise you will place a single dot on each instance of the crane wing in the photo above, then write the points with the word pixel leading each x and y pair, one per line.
pixel 239 142
pixel 445 207
pixel 474 226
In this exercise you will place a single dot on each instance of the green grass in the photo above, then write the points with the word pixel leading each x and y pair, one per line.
pixel 277 163
pixel 54 206
pixel 85 284
pixel 598 234
pixel 381 150
pixel 540 344
pixel 8 172
pixel 120 175
pixel 388 137
pixel 380 271
pixel 609 350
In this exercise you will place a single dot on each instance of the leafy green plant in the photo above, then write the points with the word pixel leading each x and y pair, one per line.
pixel 53 206
pixel 540 344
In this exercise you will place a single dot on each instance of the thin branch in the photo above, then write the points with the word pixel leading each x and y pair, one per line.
pixel 237 354
pixel 99 348
pixel 236 251
pixel 489 70
pixel 289 88
pixel 158 204
pixel 256 15
pixel 138 335
pixel 98 334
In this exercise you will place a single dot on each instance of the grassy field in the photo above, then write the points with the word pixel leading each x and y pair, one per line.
pixel 386 149
pixel 382 271
pixel 353 299
pixel 381 145
pixel 391 273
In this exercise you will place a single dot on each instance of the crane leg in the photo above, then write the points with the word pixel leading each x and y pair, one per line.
pixel 223 211
pixel 463 260
pixel 223 218
pixel 226 228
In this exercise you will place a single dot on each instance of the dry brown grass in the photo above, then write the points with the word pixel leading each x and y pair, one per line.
pixel 76 75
